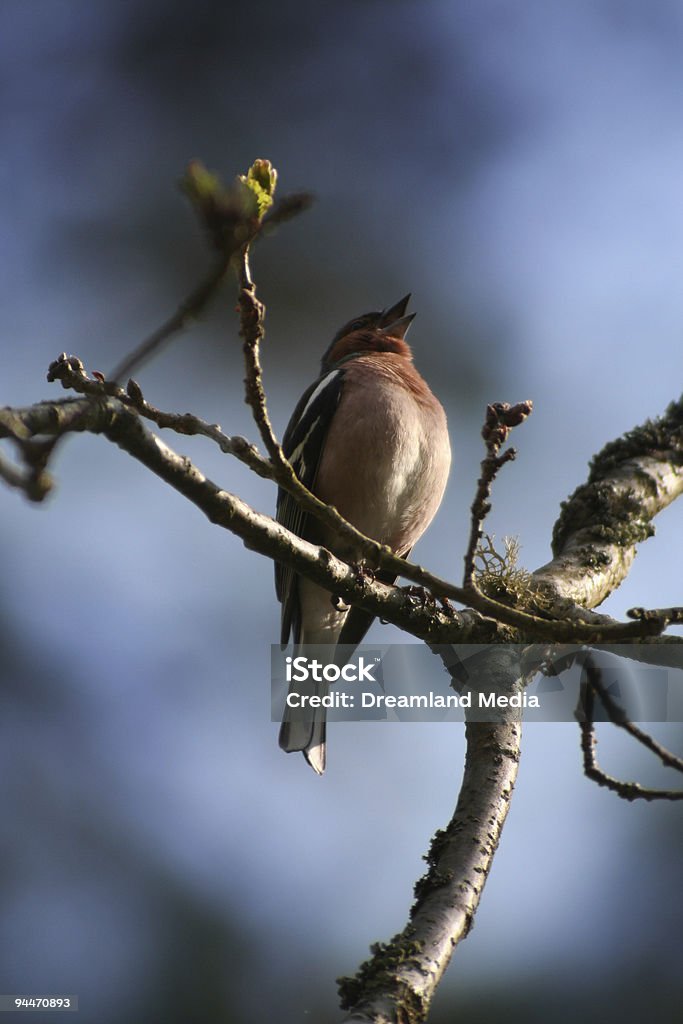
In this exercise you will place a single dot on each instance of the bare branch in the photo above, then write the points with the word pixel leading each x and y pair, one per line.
pixel 626 790
pixel 500 419
pixel 398 983
pixel 122 425
pixel 673 616
pixel 70 371
pixel 252 329
pixel 187 312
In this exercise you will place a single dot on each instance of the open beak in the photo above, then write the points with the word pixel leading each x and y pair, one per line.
pixel 394 322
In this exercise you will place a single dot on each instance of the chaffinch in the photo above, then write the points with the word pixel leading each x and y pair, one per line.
pixel 369 438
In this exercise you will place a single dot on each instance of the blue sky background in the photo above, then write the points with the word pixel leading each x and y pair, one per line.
pixel 517 167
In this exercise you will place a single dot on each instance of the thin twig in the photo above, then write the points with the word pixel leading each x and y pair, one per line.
pixel 500 419
pixel 618 717
pixel 673 616
pixel 187 311
pixel 71 372
pixel 252 330
pixel 585 716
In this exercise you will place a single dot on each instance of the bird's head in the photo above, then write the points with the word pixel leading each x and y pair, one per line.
pixel 380 331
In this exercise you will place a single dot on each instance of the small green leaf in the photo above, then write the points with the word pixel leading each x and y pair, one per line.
pixel 261 179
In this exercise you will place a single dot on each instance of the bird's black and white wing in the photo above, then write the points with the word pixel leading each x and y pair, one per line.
pixel 303 444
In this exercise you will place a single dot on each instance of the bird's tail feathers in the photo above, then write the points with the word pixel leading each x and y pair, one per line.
pixel 304 727
pixel 305 731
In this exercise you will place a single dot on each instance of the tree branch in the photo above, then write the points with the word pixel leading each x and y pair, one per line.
pixel 122 425
pixel 626 790
pixel 54 420
pixel 500 419
pixel 398 983
pixel 595 538
pixel 188 311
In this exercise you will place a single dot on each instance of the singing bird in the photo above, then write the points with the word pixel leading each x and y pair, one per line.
pixel 370 438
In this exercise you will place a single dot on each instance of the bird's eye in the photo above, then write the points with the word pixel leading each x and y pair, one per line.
pixel 356 325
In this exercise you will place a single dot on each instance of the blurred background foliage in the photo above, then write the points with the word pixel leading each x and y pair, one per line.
pixel 518 168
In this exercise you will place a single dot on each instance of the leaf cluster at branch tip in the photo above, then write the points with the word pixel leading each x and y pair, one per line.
pixel 231 214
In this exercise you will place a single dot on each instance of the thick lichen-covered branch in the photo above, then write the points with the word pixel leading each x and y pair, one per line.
pixel 596 536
